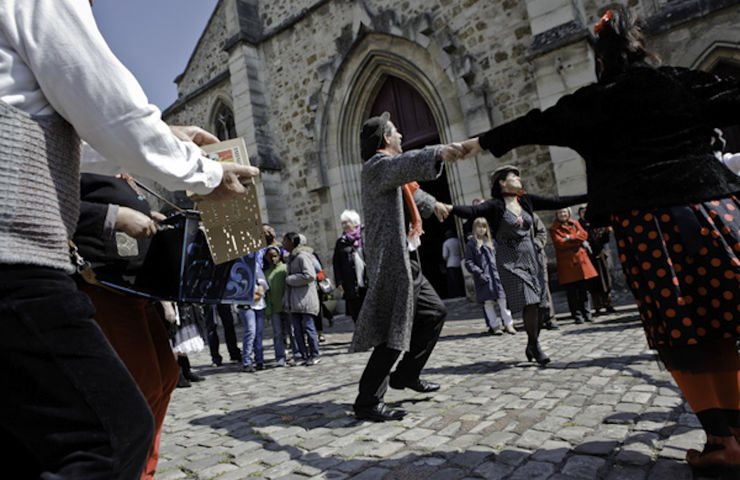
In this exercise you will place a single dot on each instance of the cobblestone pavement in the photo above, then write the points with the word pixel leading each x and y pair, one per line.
pixel 602 409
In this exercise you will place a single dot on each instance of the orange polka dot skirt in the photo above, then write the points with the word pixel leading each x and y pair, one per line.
pixel 683 267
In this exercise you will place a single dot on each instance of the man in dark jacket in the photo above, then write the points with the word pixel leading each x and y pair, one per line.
pixel 401 312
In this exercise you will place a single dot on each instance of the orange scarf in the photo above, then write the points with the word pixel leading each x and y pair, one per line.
pixel 415 226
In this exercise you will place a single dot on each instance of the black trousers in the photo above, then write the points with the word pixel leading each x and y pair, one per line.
pixel 354 305
pixel 69 409
pixel 227 320
pixel 429 317
pixel 578 301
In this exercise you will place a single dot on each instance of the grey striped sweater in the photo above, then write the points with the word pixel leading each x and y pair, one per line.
pixel 39 188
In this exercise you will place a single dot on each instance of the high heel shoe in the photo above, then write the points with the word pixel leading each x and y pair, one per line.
pixel 534 353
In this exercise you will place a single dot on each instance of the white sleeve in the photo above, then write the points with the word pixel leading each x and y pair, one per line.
pixel 85 83
pixel 732 161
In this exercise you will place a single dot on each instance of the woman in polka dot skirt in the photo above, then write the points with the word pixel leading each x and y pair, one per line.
pixel 644 132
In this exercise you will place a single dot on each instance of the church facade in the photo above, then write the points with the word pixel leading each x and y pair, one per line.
pixel 297 78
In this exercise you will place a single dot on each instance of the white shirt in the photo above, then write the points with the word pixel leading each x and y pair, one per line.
pixel 53 58
pixel 451 252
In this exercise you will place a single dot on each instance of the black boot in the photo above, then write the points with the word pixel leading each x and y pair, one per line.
pixel 532 327
pixel 185 370
pixel 182 382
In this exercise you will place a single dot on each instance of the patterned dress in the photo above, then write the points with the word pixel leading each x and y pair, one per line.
pixel 518 262
pixel 682 265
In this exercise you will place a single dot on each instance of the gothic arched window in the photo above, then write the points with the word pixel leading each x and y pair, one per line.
pixel 223 123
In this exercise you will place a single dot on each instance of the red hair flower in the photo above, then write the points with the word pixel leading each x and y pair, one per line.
pixel 603 22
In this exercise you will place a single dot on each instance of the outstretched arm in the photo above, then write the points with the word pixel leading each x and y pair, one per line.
pixel 541 202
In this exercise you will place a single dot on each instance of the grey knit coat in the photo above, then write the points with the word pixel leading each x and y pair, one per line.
pixel 301 294
pixel 388 310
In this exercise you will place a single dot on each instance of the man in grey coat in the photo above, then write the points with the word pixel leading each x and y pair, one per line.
pixel 401 311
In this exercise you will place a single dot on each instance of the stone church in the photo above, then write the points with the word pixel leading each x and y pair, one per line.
pixel 297 78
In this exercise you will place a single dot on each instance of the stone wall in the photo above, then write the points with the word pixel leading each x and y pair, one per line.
pixel 200 109
pixel 482 57
pixel 277 12
pixel 208 59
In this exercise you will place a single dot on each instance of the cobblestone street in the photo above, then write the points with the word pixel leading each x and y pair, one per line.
pixel 602 409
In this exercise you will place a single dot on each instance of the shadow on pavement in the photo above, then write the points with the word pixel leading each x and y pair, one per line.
pixel 277 433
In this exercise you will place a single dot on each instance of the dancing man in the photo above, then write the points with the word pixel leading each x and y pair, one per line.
pixel 401 312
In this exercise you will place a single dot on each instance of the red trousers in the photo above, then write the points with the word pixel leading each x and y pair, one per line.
pixel 137 334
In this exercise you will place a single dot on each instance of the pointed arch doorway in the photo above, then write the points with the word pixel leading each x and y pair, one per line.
pixel 414 119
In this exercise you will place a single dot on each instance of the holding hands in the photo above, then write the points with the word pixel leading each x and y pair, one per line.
pixel 471 147
pixel 451 152
pixel 460 150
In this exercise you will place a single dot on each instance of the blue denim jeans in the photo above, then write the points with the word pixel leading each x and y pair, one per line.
pixel 278 337
pixel 303 325
pixel 69 408
pixel 254 323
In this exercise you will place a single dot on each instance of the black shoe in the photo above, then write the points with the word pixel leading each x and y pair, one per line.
pixel 260 366
pixel 551 324
pixel 182 382
pixel 418 385
pixel 578 321
pixel 610 309
pixel 248 369
pixel 534 353
pixel 193 377
pixel 379 413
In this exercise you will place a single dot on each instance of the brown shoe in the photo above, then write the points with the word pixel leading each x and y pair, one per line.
pixel 718 452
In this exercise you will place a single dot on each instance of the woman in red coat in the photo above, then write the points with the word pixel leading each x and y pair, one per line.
pixel 574 266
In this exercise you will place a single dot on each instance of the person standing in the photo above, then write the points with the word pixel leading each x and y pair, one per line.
pixel 401 311
pixel 226 314
pixel 275 272
pixel 113 218
pixel 253 319
pixel 644 132
pixel 600 287
pixel 349 263
pixel 453 265
pixel 540 240
pixel 510 217
pixel 301 297
pixel 480 260
pixel 69 408
pixel 574 266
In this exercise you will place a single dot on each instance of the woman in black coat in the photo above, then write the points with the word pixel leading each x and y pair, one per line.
pixel 645 133
pixel 510 215
pixel 349 263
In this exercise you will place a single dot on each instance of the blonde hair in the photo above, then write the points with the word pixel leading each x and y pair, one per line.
pixel 486 238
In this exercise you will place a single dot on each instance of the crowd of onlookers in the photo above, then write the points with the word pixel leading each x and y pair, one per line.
pixel 582 268
pixel 292 287
pixel 291 292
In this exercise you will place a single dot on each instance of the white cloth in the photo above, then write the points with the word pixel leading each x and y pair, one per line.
pixel 732 161
pixel 261 280
pixel 451 252
pixel 53 58
pixel 359 267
